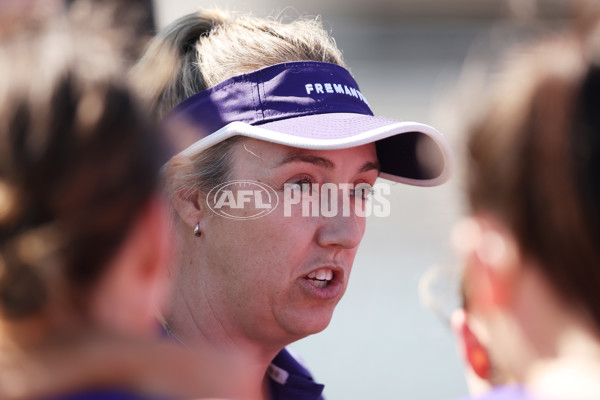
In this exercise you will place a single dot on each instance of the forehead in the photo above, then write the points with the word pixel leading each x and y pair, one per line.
pixel 273 155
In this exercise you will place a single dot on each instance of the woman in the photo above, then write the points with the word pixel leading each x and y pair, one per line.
pixel 260 108
pixel 531 244
pixel 82 231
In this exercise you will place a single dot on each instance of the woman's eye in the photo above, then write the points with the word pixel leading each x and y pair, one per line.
pixel 362 190
pixel 303 184
pixel 303 180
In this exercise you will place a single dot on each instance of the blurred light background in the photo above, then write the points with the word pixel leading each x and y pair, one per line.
pixel 407 56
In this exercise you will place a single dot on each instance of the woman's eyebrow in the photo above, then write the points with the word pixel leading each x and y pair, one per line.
pixel 369 165
pixel 324 162
pixel 308 158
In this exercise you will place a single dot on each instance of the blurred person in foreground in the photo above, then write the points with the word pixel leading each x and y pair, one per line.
pixel 271 104
pixel 83 234
pixel 131 23
pixel 531 319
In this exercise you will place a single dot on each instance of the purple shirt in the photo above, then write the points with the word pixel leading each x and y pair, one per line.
pixel 289 380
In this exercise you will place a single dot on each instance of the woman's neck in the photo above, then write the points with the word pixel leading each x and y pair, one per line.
pixel 574 372
pixel 250 358
pixel 567 343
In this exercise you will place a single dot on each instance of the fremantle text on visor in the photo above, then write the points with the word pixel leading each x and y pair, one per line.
pixel 247 199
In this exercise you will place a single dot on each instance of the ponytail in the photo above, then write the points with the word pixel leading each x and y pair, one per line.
pixel 168 72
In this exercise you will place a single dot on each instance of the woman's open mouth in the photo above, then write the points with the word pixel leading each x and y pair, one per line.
pixel 320 278
pixel 325 283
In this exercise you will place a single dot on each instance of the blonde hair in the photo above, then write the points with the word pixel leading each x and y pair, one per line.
pixel 200 50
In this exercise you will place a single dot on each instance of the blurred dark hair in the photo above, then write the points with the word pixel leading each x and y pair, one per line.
pixel 534 162
pixel 78 162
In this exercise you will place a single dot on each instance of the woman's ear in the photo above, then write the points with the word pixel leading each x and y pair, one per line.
pixel 185 200
pixel 136 282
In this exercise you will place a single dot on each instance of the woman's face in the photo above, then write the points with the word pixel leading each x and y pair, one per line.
pixel 279 277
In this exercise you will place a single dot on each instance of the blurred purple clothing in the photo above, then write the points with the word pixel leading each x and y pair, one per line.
pixel 506 392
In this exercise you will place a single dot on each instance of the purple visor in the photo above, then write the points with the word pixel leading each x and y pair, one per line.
pixel 311 105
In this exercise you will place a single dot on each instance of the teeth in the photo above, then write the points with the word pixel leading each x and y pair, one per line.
pixel 323 274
